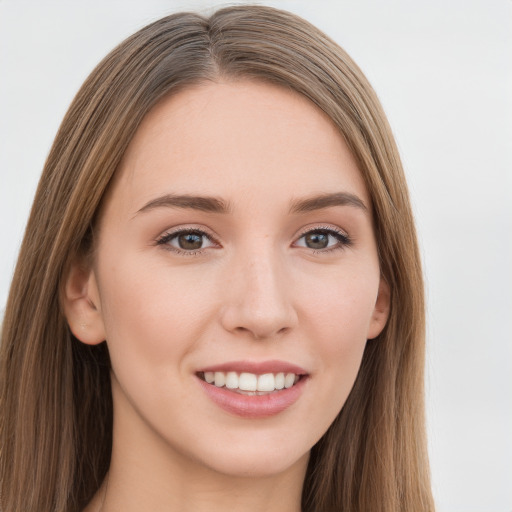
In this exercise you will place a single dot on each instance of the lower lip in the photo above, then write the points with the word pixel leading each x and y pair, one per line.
pixel 254 406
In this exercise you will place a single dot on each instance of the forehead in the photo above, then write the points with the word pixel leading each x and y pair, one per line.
pixel 231 138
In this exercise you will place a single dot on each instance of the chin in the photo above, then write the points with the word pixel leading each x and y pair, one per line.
pixel 260 464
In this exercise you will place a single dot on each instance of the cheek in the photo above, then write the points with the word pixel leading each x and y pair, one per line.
pixel 339 322
pixel 150 316
pixel 342 308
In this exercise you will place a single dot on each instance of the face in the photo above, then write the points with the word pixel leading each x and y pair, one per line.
pixel 236 279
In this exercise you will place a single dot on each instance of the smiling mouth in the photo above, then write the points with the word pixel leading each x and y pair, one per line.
pixel 251 384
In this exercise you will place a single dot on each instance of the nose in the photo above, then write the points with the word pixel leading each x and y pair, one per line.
pixel 258 298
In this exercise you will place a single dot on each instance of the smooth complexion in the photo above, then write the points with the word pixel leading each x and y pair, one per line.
pixel 237 235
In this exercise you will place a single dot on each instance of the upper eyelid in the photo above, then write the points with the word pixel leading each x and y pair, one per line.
pixel 207 232
pixel 165 238
pixel 187 229
pixel 169 233
pixel 322 227
pixel 344 239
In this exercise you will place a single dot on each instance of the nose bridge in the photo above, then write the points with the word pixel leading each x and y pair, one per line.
pixel 259 300
pixel 263 279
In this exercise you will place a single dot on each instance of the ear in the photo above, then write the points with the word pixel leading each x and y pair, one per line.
pixel 381 311
pixel 81 303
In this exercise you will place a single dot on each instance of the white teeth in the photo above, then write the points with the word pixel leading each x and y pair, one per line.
pixel 245 381
pixel 266 382
pixel 248 382
pixel 220 379
pixel 289 380
pixel 231 380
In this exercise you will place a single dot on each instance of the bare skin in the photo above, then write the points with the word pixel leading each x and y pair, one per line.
pixel 276 261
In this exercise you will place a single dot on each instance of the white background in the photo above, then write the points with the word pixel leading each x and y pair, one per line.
pixel 443 70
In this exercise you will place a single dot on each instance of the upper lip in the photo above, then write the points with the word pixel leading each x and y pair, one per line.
pixel 257 367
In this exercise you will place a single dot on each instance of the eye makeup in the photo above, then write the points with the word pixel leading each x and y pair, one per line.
pixel 194 241
pixel 323 239
pixel 187 241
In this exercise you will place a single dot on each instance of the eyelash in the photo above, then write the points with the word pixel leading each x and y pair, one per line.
pixel 343 239
pixel 167 237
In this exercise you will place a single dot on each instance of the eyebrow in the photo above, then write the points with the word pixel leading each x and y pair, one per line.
pixel 327 201
pixel 217 205
pixel 201 203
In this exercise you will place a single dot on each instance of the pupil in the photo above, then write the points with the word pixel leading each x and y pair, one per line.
pixel 190 241
pixel 317 240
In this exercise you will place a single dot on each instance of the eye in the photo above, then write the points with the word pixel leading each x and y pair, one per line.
pixel 186 241
pixel 323 240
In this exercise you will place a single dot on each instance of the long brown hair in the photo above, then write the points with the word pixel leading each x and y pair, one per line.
pixel 55 398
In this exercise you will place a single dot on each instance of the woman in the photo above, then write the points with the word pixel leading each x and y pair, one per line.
pixel 218 301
